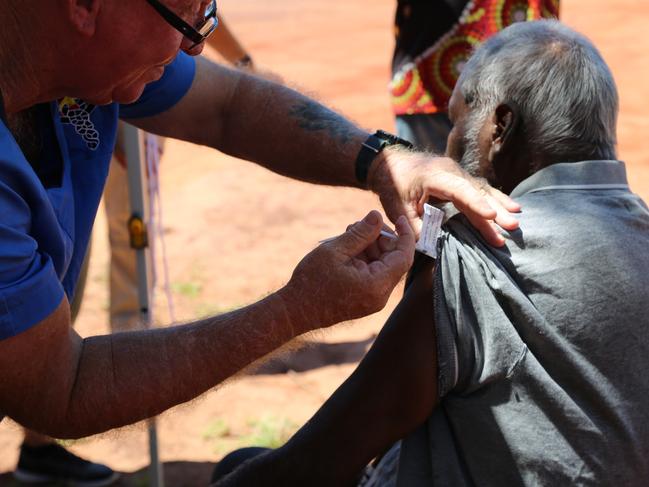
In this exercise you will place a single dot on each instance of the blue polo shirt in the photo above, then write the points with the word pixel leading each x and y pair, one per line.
pixel 48 209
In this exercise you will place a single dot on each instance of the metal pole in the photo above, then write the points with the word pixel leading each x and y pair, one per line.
pixel 135 159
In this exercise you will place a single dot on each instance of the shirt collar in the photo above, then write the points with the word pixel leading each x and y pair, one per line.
pixel 575 175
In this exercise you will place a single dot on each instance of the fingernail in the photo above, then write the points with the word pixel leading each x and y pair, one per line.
pixel 372 218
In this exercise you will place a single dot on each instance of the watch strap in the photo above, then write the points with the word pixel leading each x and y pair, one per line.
pixel 372 146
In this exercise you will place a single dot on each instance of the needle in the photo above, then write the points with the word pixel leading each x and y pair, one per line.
pixel 385 233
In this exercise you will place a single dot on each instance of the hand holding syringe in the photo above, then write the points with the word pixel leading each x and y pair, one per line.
pixel 431 225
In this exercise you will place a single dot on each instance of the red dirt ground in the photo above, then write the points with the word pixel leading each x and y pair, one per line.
pixel 235 232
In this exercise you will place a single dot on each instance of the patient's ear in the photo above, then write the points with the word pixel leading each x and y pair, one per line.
pixel 83 15
pixel 504 121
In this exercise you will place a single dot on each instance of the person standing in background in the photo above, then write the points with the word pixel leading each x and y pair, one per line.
pixel 433 41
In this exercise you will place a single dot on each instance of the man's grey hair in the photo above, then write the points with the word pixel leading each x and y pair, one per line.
pixel 564 91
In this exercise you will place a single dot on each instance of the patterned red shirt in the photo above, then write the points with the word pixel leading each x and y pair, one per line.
pixel 425 84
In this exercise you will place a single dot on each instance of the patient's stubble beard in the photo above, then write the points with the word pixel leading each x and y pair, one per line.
pixel 470 161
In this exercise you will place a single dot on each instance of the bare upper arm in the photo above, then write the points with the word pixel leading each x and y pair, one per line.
pixel 37 371
pixel 411 327
pixel 199 116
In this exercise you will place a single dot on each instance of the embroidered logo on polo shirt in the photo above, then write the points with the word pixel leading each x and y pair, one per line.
pixel 77 113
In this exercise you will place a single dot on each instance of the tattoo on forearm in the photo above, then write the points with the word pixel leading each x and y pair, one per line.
pixel 313 117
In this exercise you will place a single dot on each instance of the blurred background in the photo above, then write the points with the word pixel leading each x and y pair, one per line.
pixel 234 231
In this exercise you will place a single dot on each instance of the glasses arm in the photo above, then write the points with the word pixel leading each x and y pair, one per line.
pixel 179 24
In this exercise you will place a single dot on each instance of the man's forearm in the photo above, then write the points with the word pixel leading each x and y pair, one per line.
pixel 56 383
pixel 291 134
pixel 264 122
pixel 127 377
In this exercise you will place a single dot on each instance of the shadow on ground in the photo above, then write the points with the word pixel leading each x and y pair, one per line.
pixel 176 474
pixel 316 355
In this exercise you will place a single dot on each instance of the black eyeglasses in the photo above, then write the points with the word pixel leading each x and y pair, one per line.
pixel 195 34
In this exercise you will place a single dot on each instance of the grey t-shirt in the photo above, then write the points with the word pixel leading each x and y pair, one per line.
pixel 543 345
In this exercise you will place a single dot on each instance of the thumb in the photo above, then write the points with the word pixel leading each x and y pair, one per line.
pixel 360 235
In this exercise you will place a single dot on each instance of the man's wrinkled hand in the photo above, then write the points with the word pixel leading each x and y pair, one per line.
pixel 349 276
pixel 405 180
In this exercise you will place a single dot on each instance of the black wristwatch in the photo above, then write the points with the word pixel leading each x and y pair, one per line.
pixel 374 144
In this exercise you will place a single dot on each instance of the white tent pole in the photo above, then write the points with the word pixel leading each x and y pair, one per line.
pixel 135 162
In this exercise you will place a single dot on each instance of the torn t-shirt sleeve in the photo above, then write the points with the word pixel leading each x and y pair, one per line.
pixel 477 306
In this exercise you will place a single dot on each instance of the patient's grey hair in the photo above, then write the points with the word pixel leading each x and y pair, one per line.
pixel 564 90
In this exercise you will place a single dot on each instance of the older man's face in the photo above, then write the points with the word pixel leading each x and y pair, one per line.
pixel 192 12
pixel 136 44
pixel 469 140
